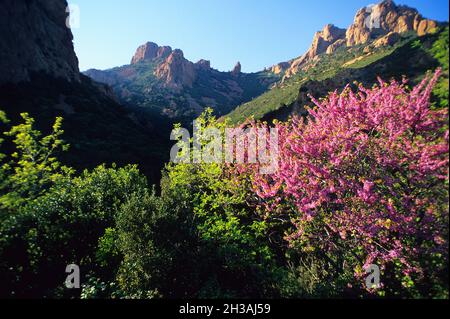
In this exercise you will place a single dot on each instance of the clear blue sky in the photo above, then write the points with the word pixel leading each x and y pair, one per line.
pixel 258 33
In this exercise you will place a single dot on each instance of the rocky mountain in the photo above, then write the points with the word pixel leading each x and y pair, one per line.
pixel 384 21
pixel 34 38
pixel 329 37
pixel 176 71
pixel 39 75
pixel 162 80
pixel 386 40
pixel 150 51
pixel 125 114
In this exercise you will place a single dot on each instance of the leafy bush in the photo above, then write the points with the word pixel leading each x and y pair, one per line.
pixel 365 182
pixel 64 226
pixel 159 247
pixel 50 218
pixel 29 170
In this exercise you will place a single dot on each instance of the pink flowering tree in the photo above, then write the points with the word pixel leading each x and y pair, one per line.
pixel 365 176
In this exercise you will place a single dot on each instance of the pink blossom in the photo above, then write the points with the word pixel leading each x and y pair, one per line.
pixel 375 161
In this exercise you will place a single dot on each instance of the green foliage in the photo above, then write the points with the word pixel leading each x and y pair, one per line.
pixel 55 219
pixel 32 167
pixel 205 235
pixel 143 264
pixel 107 253
pixel 95 288
pixel 440 51
pixel 159 247
pixel 241 244
pixel 3 117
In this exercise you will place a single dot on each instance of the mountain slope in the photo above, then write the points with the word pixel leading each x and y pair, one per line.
pixel 326 67
pixel 34 38
pixel 381 23
pixel 39 75
pixel 162 80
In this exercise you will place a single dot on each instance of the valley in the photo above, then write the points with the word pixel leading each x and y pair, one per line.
pixel 103 171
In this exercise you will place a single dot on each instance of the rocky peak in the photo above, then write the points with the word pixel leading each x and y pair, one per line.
pixel 321 42
pixel 331 33
pixel 323 39
pixel 280 67
pixel 237 69
pixel 150 51
pixel 177 54
pixel 379 20
pixel 146 51
pixel 176 71
pixel 35 38
pixel 204 64
pixel 381 23
pixel 163 52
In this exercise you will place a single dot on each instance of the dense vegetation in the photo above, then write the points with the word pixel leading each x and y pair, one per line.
pixel 365 180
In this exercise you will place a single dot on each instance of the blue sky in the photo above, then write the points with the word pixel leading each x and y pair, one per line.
pixel 258 33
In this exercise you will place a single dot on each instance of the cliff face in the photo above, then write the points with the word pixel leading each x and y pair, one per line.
pixel 176 71
pixel 384 18
pixel 172 68
pixel 150 51
pixel 39 75
pixel 321 42
pixel 34 38
pixel 165 81
pixel 381 23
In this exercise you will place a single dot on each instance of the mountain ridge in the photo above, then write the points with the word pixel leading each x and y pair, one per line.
pixel 370 23
pixel 334 50
pixel 39 75
pixel 161 78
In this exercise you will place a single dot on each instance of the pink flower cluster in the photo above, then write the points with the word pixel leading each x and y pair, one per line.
pixel 366 170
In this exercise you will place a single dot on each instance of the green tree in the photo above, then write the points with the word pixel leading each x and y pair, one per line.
pixel 28 171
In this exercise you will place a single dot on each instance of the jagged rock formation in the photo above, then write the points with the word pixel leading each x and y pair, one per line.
pixel 203 64
pixel 336 45
pixel 280 67
pixel 150 51
pixel 35 39
pixel 385 17
pixel 425 26
pixel 237 69
pixel 172 68
pixel 321 42
pixel 323 39
pixel 389 39
pixel 176 71
pixel 163 80
pixel 381 24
